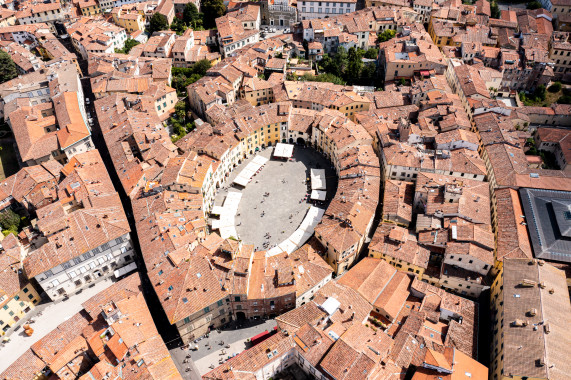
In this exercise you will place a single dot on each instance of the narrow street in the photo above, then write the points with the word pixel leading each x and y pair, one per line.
pixel 168 332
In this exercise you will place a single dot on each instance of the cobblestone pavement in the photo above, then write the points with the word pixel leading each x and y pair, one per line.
pixel 284 208
pixel 202 359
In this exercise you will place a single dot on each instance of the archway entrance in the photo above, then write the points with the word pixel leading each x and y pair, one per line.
pixel 240 315
pixel 300 141
pixel 291 140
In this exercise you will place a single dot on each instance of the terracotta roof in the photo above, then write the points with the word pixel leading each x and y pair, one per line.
pixel 551 304
pixel 100 220
pixel 512 235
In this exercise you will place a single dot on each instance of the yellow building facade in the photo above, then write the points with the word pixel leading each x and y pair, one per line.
pixel 441 37
pixel 90 8
pixel 17 307
pixel 351 109
pixel 399 264
pixel 131 22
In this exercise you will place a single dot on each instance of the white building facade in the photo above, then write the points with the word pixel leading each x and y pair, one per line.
pixel 68 278
pixel 324 9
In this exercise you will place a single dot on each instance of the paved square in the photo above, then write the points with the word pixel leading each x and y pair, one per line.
pixel 53 314
pixel 282 211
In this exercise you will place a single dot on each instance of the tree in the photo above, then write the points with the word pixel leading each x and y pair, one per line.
pixel 354 64
pixel 183 77
pixel 327 77
pixel 494 9
pixel 368 74
pixel 178 26
pixel 180 110
pixel 191 16
pixel 533 5
pixel 372 53
pixel 201 67
pixel 385 35
pixel 539 92
pixel 340 61
pixel 158 22
pixel 9 220
pixel 129 44
pixel 7 67
pixel 212 9
pixel 555 87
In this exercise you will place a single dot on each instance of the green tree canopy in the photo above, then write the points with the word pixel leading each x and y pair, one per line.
pixel 354 64
pixel 9 220
pixel 183 77
pixel 201 67
pixel 555 87
pixel 129 44
pixel 327 77
pixel 495 9
pixel 533 5
pixel 158 22
pixel 372 53
pixel 178 26
pixel 386 35
pixel 190 15
pixel 539 92
pixel 212 9
pixel 7 67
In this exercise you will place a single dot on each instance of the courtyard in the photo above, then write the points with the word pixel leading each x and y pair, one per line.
pixel 274 203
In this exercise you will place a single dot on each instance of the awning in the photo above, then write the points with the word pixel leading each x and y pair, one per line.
pixel 318 181
pixel 319 195
pixel 216 210
pixel 426 73
pixel 283 150
pixel 301 235
pixel 248 172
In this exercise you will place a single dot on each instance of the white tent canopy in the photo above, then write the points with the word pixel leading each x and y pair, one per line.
pixel 301 235
pixel 318 179
pixel 216 210
pixel 319 195
pixel 248 172
pixel 226 223
pixel 283 150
